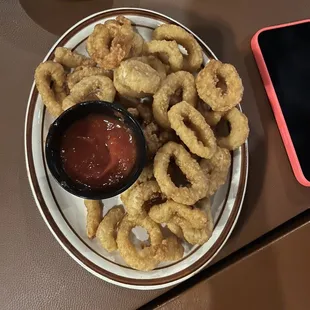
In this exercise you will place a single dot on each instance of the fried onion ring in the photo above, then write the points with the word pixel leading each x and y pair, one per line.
pixel 101 85
pixel 70 59
pixel 110 42
pixel 169 87
pixel 224 98
pixel 83 71
pixel 216 169
pixel 46 73
pixel 199 137
pixel 94 209
pixel 198 182
pixel 148 257
pixel 193 59
pixel 106 232
pixel 239 130
pixel 169 48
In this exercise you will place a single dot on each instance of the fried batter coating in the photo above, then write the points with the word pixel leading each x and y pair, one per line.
pixel 193 59
pixel 216 169
pixel 106 232
pixel 239 130
pixel 138 76
pixel 190 233
pixel 83 71
pixel 199 137
pixel 198 182
pixel 94 210
pixel 155 138
pixel 216 97
pixel 110 43
pixel 211 117
pixel 146 175
pixel 174 81
pixel 155 63
pixel 137 45
pixel 46 73
pixel 169 48
pixel 70 59
pixel 139 195
pixel 102 86
pixel 164 212
pixel 194 235
pixel 148 257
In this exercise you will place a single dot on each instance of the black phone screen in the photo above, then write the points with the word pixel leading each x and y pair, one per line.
pixel 286 52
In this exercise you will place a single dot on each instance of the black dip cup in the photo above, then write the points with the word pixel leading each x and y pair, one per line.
pixel 53 149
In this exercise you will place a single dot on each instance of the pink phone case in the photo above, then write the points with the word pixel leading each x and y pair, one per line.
pixel 286 137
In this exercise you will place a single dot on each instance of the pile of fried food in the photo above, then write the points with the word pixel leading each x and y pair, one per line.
pixel 180 106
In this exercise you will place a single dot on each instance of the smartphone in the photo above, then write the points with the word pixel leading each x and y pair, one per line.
pixel 282 54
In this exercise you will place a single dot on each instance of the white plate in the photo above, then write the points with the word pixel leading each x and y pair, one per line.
pixel 65 214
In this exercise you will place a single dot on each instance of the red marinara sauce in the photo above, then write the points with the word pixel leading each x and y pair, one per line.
pixel 98 151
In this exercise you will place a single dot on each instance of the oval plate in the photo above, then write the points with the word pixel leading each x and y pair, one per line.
pixel 65 215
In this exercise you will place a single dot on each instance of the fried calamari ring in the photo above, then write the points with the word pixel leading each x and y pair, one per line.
pixel 138 259
pixel 199 137
pixel 180 80
pixel 191 234
pixel 170 249
pixel 111 42
pixel 198 182
pixel 148 257
pixel 106 232
pixel 155 63
pixel 102 86
pixel 211 117
pixel 146 175
pixel 175 229
pixel 139 196
pixel 194 235
pixel 164 212
pixel 94 209
pixel 138 76
pixel 137 45
pixel 169 48
pixel 83 71
pixel 70 59
pixel 193 59
pixel 193 225
pixel 124 90
pixel 46 73
pixel 224 98
pixel 216 169
pixel 239 130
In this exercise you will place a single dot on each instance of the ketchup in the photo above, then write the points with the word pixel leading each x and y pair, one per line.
pixel 98 151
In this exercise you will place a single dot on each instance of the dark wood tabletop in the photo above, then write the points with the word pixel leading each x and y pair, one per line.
pixel 35 273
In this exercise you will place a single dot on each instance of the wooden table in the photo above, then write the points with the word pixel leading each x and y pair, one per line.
pixel 34 271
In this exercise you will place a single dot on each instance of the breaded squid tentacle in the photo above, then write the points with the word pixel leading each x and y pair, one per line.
pixel 94 210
